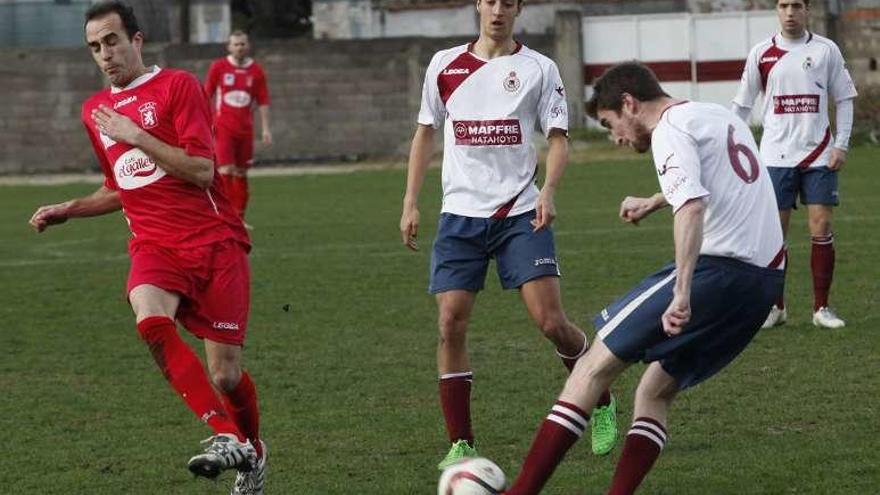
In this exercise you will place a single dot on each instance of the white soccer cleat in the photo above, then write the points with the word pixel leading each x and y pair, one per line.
pixel 251 482
pixel 224 452
pixel 776 317
pixel 826 318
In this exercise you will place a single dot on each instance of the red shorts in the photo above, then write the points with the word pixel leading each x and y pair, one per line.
pixel 234 148
pixel 212 280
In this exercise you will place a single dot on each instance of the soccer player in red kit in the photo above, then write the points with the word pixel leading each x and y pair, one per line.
pixel 233 84
pixel 151 132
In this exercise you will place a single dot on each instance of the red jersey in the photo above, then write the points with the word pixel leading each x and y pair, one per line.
pixel 233 89
pixel 162 209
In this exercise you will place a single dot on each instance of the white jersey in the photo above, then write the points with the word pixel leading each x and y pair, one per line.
pixel 796 77
pixel 703 150
pixel 489 109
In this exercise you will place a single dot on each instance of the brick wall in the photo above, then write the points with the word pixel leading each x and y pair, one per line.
pixel 329 98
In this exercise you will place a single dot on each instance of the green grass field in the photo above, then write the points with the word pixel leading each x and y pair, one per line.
pixel 347 379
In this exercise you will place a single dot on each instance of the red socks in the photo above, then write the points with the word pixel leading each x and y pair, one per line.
pixel 241 404
pixel 643 445
pixel 185 373
pixel 559 431
pixel 822 264
pixel 455 399
pixel 236 190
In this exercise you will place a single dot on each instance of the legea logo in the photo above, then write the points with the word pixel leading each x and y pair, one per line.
pixel 456 72
pixel 135 169
pixel 225 325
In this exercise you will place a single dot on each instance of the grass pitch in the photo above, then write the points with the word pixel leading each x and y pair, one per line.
pixel 342 339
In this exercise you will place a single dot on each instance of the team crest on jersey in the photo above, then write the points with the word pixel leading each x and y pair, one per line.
pixel 808 63
pixel 512 83
pixel 149 117
pixel 228 79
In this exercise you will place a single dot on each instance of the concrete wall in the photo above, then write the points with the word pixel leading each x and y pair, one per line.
pixel 330 98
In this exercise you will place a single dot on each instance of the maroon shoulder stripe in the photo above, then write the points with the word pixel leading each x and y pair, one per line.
pixel 454 74
pixel 767 60
pixel 806 162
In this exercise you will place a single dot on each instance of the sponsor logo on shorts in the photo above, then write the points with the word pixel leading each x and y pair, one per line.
pixel 605 315
pixel 545 261
pixel 225 325
pixel 125 101
pixel 796 104
pixel 487 132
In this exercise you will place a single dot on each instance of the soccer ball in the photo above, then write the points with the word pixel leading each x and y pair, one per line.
pixel 476 476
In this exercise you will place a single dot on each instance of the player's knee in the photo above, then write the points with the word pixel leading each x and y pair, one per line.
pixel 555 327
pixel 226 377
pixel 654 393
pixel 452 326
pixel 595 372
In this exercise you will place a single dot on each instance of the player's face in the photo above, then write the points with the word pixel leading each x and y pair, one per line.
pixel 792 17
pixel 239 47
pixel 497 16
pixel 626 129
pixel 116 55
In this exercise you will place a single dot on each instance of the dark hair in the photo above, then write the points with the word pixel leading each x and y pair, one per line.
pixel 126 14
pixel 628 77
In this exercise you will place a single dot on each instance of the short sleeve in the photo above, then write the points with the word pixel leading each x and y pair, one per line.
pixel 552 108
pixel 211 79
pixel 432 111
pixel 750 82
pixel 192 117
pixel 98 148
pixel 678 165
pixel 261 88
pixel 840 82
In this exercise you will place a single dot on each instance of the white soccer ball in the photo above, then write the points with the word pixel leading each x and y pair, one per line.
pixel 476 476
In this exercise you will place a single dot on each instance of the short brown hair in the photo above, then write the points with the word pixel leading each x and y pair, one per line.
pixel 632 78
pixel 237 32
pixel 125 13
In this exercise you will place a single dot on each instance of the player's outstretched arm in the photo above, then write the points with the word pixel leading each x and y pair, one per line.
pixel 419 158
pixel 193 169
pixel 633 209
pixel 102 201
pixel 266 138
pixel 688 230
pixel 557 160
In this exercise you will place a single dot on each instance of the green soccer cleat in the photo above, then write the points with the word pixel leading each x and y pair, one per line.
pixel 603 426
pixel 459 450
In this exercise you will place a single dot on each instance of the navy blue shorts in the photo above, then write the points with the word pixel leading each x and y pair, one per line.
pixel 730 300
pixel 814 186
pixel 464 246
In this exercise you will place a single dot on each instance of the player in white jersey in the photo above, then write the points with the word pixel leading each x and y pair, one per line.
pixel 799 72
pixel 693 317
pixel 489 96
